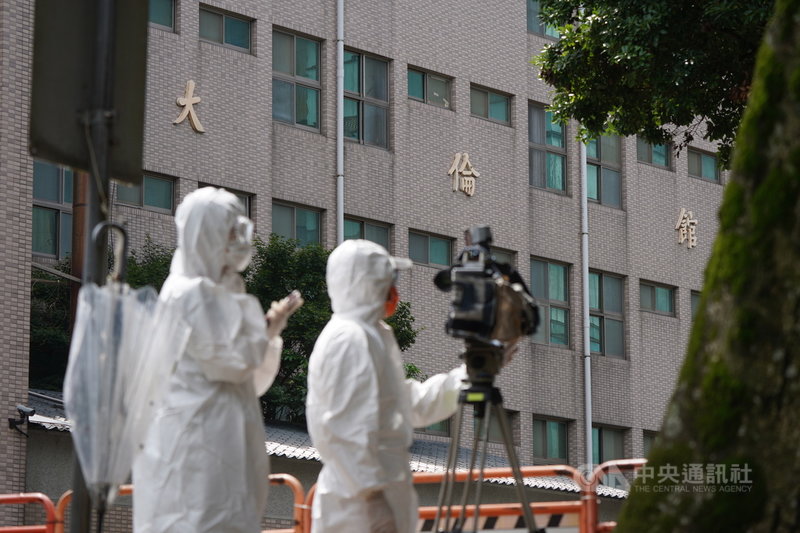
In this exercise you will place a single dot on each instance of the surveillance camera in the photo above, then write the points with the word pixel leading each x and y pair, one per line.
pixel 25 411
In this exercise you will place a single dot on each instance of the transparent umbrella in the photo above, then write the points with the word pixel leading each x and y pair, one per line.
pixel 124 346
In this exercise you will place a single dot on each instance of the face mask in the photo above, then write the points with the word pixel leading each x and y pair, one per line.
pixel 237 255
pixel 391 302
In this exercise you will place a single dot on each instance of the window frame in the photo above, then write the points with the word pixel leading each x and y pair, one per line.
pixel 294 208
pixel 546 303
pixel 222 13
pixel 488 92
pixel 649 285
pixel 364 222
pixel 546 149
pixel 546 459
pixel 700 153
pixel 643 145
pixel 605 314
pixel 650 436
pixel 296 81
pixel 542 28
pixel 426 75
pixel 428 237
pixel 141 204
pixel 61 207
pixel 601 163
pixel 694 303
pixel 504 252
pixel 161 26
pixel 619 480
pixel 363 100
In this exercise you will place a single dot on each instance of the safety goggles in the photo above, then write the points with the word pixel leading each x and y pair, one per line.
pixel 242 231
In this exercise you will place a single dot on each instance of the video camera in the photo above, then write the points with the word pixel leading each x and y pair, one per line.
pixel 491 307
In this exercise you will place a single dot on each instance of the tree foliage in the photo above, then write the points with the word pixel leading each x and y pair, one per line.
pixel 655 68
pixel 737 401
pixel 49 329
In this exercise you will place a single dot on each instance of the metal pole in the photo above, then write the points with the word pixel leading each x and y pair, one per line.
pixel 587 353
pixel 339 121
pixel 98 120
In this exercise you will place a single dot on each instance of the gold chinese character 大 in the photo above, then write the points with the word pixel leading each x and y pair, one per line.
pixel 187 102
pixel 687 228
pixel 463 174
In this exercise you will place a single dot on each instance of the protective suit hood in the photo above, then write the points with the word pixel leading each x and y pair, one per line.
pixel 359 275
pixel 204 221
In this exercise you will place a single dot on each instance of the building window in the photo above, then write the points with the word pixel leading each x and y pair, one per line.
pixel 655 154
pixel 228 30
pixel 549 440
pixel 648 439
pixel 429 88
pixel 703 165
pixel 162 13
pixel 495 431
pixel 366 102
pixel 155 194
pixel 295 81
pixel 547 163
pixel 535 24
pixel 551 290
pixel 491 105
pixel 428 249
pixel 607 445
pixel 296 223
pixel 52 210
pixel 657 298
pixel 441 429
pixel 504 256
pixel 359 229
pixel 695 302
pixel 604 182
pixel 605 315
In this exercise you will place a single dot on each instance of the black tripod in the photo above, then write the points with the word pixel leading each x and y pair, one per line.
pixel 481 365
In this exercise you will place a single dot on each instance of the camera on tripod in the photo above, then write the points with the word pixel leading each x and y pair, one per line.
pixel 491 308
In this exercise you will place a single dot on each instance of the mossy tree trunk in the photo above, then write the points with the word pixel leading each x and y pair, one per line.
pixel 737 402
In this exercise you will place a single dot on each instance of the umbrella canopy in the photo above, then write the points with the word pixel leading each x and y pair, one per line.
pixel 125 345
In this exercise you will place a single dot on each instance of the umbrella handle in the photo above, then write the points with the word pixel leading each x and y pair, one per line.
pixel 120 269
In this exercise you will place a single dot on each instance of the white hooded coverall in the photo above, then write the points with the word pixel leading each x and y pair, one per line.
pixel 204 466
pixel 360 409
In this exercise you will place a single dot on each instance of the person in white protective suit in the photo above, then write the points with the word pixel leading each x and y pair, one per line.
pixel 360 409
pixel 204 465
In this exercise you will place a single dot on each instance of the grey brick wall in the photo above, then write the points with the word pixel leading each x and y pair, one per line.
pixel 406 186
pixel 16 168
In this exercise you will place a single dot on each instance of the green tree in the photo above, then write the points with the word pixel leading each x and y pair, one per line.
pixel 150 265
pixel 278 267
pixel 49 329
pixel 655 68
pixel 737 401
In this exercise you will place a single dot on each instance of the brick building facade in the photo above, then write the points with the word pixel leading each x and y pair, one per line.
pixel 424 82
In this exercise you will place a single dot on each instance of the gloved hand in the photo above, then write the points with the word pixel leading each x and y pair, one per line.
pixel 279 312
pixel 379 515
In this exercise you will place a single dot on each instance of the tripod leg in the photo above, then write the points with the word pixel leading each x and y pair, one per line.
pixel 446 490
pixel 482 432
pixel 508 440
pixel 481 468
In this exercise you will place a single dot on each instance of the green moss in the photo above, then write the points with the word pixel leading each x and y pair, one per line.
pixel 762 114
